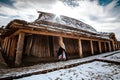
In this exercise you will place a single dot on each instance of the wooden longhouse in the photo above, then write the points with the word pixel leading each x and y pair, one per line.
pixel 40 38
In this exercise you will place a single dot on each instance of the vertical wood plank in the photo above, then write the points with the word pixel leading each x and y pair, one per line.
pixel 91 44
pixel 113 45
pixel 99 43
pixel 80 48
pixel 20 44
pixel 8 48
pixel 105 46
pixel 109 46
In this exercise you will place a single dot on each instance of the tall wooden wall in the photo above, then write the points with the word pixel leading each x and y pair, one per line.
pixel 71 46
pixel 96 47
pixel 103 47
pixel 37 45
pixel 107 46
pixel 111 44
pixel 55 45
pixel 86 48
pixel 9 47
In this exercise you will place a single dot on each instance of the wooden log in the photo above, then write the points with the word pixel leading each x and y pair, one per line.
pixel 80 48
pixel 91 44
pixel 11 49
pixel 19 51
pixel 100 49
pixel 109 46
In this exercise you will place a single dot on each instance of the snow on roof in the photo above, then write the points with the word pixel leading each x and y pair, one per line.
pixel 65 21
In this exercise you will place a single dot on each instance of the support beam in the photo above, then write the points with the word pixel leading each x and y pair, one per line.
pixel 99 43
pixel 91 45
pixel 20 44
pixel 80 48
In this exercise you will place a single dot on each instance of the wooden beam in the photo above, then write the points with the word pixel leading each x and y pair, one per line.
pixel 80 48
pixel 19 51
pixel 91 44
pixel 99 43
pixel 109 46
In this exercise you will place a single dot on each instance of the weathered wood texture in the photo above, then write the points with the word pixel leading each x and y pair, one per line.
pixel 103 47
pixel 80 48
pixel 96 47
pixel 112 49
pixel 13 47
pixel 86 48
pixel 56 45
pixel 19 51
pixel 71 46
pixel 107 46
pixel 40 46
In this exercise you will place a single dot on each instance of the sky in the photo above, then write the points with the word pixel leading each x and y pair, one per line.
pixel 103 15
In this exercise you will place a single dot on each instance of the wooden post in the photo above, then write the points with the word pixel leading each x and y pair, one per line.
pixel 20 44
pixel 109 46
pixel 80 48
pixel 99 43
pixel 91 44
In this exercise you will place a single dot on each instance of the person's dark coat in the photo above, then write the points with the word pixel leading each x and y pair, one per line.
pixel 60 51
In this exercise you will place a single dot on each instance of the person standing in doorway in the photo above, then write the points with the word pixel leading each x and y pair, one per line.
pixel 62 55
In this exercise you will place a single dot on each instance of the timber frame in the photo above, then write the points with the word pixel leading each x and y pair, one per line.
pixel 23 37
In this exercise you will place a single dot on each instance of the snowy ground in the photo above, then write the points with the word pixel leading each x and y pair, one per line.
pixel 91 71
pixel 90 67
pixel 114 57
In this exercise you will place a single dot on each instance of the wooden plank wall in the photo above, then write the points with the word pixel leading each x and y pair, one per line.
pixel 112 49
pixel 28 44
pixel 96 47
pixel 13 45
pixel 86 48
pixel 103 47
pixel 107 46
pixel 71 46
pixel 37 45
pixel 56 45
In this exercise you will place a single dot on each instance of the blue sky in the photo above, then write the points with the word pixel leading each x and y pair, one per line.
pixel 103 15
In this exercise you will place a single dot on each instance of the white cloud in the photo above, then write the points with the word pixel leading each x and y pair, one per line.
pixel 102 18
